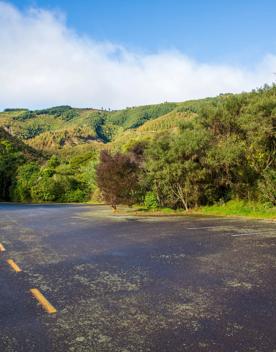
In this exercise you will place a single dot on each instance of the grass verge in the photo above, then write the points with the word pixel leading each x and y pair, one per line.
pixel 240 208
pixel 232 208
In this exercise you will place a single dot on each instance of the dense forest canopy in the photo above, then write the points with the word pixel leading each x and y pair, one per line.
pixel 177 155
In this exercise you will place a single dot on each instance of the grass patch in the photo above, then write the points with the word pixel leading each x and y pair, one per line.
pixel 231 208
pixel 143 211
pixel 240 208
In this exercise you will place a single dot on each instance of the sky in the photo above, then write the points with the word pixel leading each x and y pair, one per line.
pixel 118 53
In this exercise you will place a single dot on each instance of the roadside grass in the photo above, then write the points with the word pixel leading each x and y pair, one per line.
pixel 232 208
pixel 143 211
pixel 240 208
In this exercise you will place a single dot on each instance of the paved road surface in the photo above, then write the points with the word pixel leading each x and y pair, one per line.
pixel 135 284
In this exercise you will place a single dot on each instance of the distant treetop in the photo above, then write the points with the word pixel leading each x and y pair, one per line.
pixel 15 109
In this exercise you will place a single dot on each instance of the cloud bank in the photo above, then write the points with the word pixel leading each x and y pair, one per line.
pixel 45 63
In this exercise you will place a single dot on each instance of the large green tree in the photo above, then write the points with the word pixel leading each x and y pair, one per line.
pixel 10 159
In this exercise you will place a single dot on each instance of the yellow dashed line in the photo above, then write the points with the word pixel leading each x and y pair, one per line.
pixel 2 248
pixel 14 265
pixel 36 293
pixel 43 301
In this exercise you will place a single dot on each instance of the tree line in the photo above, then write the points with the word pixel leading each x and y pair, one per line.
pixel 228 151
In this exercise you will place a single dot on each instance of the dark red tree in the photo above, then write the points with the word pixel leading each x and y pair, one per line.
pixel 117 178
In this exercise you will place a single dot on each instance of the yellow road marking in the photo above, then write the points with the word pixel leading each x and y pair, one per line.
pixel 2 248
pixel 43 301
pixel 14 265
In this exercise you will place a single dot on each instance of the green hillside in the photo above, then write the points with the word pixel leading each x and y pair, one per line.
pixel 63 127
pixel 18 145
pixel 13 154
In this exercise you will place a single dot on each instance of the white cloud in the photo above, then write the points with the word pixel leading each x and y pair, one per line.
pixel 44 63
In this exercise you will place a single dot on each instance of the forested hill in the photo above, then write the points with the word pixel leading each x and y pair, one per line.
pixel 63 126
pixel 179 154
pixel 14 152
pixel 18 145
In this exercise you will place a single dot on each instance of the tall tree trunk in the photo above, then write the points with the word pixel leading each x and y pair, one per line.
pixel 180 195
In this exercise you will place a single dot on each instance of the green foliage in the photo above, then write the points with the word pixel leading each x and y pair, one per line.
pixel 27 175
pixel 68 115
pixel 226 151
pixel 26 115
pixel 98 125
pixel 65 112
pixel 267 187
pixel 15 110
pixel 135 117
pixel 56 110
pixel 173 168
pixel 31 131
pixel 151 201
pixel 53 162
pixel 57 180
pixel 46 189
pixel 10 159
pixel 75 196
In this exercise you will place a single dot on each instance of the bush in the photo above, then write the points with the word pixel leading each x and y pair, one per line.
pixel 151 201
pixel 75 196
pixel 267 188
pixel 26 178
pixel 46 190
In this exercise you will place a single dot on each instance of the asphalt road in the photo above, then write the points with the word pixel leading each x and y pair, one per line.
pixel 135 284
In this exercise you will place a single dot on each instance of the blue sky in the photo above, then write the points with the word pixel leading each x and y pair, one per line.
pixel 118 53
pixel 232 31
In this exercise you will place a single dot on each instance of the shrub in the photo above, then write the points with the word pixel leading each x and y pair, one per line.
pixel 267 188
pixel 151 201
pixel 75 196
